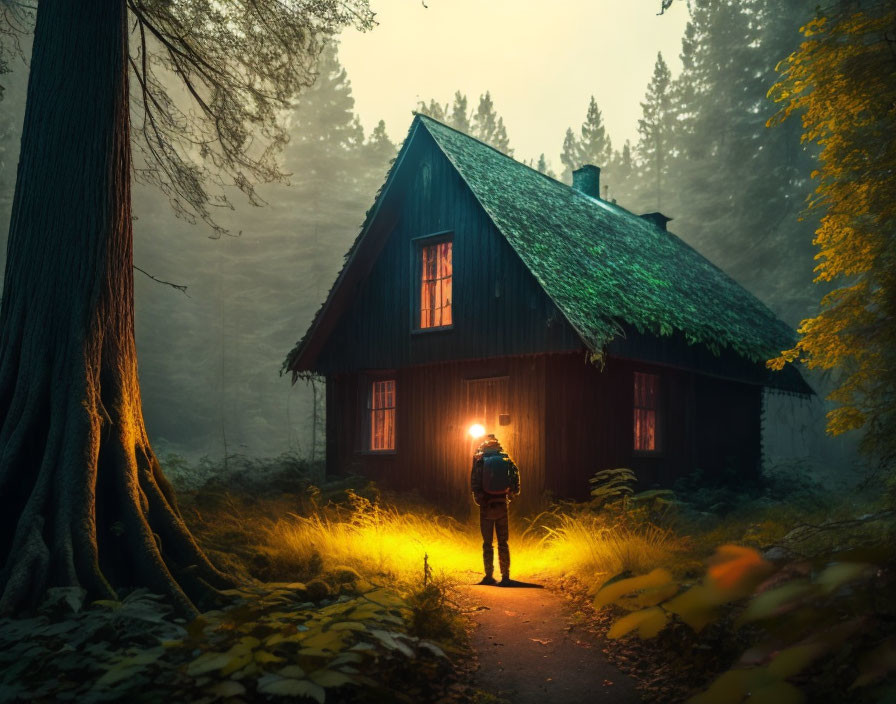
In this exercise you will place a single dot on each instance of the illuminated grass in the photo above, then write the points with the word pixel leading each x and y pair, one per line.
pixel 391 542
pixel 376 540
pixel 589 546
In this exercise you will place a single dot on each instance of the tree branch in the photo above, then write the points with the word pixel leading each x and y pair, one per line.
pixel 179 287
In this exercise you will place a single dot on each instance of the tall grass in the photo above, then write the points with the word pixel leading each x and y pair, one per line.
pixel 376 540
pixel 387 541
pixel 290 535
pixel 596 547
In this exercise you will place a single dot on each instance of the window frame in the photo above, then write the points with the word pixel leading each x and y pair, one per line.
pixel 658 415
pixel 368 381
pixel 417 245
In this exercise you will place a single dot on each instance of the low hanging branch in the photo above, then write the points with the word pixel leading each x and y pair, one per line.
pixel 240 64
pixel 179 287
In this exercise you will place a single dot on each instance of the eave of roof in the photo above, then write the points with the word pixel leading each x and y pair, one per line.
pixel 297 360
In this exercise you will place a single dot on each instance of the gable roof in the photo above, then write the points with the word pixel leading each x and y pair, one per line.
pixel 600 264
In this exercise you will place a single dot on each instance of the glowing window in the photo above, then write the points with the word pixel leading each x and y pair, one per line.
pixel 382 415
pixel 645 406
pixel 435 285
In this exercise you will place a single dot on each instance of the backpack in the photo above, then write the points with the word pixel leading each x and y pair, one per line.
pixel 498 473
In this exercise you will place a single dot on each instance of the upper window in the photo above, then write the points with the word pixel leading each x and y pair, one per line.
pixel 646 405
pixel 435 284
pixel 381 406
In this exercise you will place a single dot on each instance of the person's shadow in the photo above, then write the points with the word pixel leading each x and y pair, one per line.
pixel 513 583
pixel 520 585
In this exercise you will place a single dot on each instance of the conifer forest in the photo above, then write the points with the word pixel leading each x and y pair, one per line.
pixel 306 305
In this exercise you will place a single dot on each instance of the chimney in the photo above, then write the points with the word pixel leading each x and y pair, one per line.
pixel 657 219
pixel 587 180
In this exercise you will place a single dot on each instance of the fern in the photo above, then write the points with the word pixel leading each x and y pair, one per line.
pixel 611 486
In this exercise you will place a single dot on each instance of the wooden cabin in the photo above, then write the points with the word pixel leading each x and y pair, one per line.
pixel 584 336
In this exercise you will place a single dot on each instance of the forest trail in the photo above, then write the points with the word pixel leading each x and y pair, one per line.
pixel 529 653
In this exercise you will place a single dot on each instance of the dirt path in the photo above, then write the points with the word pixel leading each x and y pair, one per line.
pixel 530 654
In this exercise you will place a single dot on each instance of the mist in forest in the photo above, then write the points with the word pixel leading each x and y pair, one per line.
pixel 210 356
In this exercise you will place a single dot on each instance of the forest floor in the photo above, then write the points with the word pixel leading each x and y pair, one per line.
pixel 529 652
pixel 354 596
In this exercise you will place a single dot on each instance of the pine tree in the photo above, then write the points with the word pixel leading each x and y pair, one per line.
pixel 656 136
pixel 460 118
pixel 272 279
pixel 433 109
pixel 544 168
pixel 622 185
pixel 489 127
pixel 380 148
pixel 594 146
pixel 500 140
pixel 739 186
pixel 569 157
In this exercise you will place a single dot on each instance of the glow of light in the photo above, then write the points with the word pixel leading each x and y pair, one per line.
pixel 476 430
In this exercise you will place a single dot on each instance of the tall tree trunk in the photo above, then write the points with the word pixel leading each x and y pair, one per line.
pixel 83 501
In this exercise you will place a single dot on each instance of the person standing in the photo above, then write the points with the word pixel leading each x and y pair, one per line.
pixel 495 482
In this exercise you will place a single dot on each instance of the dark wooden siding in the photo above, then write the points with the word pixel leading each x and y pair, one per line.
pixel 568 420
pixel 704 423
pixel 433 450
pixel 499 308
pixel 674 350
pixel 590 419
pixel 729 427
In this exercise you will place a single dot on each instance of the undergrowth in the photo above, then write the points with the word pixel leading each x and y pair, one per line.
pixel 310 534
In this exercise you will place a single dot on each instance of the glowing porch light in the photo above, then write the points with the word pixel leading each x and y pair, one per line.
pixel 476 430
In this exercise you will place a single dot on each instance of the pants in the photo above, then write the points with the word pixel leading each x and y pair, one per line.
pixel 498 526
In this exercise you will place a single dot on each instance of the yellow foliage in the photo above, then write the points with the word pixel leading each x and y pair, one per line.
pixel 777 693
pixel 792 661
pixel 840 82
pixel 648 622
pixel 735 570
pixel 731 687
pixel 657 578
pixel 840 573
pixel 776 601
pixel 698 606
pixel 756 686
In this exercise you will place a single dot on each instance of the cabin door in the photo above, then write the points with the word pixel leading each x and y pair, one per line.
pixel 488 403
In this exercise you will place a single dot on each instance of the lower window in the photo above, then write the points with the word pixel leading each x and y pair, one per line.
pixel 381 407
pixel 646 406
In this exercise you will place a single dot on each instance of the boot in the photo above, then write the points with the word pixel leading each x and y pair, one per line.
pixel 488 579
pixel 506 581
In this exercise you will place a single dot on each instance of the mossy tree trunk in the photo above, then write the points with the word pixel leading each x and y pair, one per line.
pixel 83 501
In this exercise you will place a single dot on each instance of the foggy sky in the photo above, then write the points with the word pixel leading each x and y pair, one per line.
pixel 541 61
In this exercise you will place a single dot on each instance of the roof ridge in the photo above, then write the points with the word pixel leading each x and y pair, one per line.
pixel 524 164
pixel 490 146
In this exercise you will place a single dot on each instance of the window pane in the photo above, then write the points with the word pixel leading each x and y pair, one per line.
pixel 435 285
pixel 382 415
pixel 646 393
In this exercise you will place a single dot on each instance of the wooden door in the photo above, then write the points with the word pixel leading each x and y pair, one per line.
pixel 488 403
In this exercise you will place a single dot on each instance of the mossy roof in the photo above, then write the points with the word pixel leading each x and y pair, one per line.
pixel 603 265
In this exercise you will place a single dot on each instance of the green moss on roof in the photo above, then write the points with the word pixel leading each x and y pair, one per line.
pixel 602 264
